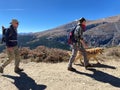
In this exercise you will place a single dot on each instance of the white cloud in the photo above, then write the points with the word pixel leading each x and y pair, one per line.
pixel 14 9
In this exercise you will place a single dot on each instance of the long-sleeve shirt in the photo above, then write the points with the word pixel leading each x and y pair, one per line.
pixel 78 34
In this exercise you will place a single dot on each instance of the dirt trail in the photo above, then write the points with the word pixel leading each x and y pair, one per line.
pixel 43 76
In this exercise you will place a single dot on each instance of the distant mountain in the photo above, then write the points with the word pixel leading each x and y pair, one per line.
pixel 102 32
pixel 25 33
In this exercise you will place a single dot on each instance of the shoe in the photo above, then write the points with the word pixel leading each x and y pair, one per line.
pixel 1 69
pixel 17 70
pixel 87 66
pixel 71 69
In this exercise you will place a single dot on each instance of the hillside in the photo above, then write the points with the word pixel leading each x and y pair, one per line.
pixel 103 32
pixel 106 29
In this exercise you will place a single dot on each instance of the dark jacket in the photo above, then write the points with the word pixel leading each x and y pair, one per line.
pixel 11 37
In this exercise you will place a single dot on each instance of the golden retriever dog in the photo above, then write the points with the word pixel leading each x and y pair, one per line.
pixel 91 53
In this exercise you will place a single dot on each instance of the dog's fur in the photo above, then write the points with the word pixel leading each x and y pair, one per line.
pixel 91 53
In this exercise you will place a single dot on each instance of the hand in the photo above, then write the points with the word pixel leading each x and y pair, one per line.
pixel 86 46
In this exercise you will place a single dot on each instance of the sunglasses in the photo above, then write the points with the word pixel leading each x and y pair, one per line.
pixel 17 23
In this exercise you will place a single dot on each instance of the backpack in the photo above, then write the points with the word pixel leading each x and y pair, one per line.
pixel 71 38
pixel 4 30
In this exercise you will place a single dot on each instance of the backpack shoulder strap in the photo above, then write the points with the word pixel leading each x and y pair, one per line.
pixel 75 27
pixel 9 31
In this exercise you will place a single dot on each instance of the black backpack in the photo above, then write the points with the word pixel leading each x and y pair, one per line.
pixel 4 30
pixel 71 38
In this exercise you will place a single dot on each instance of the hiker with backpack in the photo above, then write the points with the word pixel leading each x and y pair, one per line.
pixel 77 43
pixel 10 38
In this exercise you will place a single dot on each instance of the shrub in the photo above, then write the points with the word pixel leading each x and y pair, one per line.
pixel 24 52
pixel 44 54
pixel 114 52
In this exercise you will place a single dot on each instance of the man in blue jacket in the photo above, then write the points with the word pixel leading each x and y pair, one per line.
pixel 12 47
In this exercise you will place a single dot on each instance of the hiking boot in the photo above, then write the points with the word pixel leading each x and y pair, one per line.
pixel 17 70
pixel 87 66
pixel 71 69
pixel 1 69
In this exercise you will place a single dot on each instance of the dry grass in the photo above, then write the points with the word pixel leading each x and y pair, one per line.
pixel 44 54
pixel 115 52
pixel 51 55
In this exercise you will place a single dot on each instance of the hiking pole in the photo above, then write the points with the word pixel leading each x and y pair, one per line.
pixel 2 39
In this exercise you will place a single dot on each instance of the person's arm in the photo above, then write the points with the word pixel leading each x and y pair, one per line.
pixel 77 34
pixel 7 34
pixel 7 40
pixel 82 40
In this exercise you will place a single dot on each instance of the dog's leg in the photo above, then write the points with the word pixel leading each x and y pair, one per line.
pixel 76 58
pixel 97 60
pixel 81 61
pixel 75 62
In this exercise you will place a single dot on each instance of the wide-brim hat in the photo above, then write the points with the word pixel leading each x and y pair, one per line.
pixel 14 21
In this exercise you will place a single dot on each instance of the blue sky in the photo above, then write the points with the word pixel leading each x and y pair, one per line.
pixel 38 15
